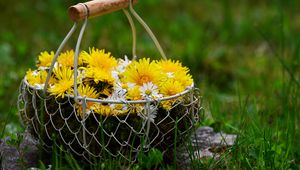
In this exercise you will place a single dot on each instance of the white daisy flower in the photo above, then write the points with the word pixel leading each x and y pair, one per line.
pixel 115 75
pixel 123 64
pixel 120 68
pixel 150 90
pixel 148 116
pixel 119 89
pixel 122 88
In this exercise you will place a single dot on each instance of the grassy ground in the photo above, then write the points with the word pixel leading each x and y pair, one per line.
pixel 244 56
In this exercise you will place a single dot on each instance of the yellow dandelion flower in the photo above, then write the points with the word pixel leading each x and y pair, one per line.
pixel 118 109
pixel 63 73
pixel 101 109
pixel 167 105
pixel 36 78
pixel 64 82
pixel 106 91
pixel 136 108
pixel 172 66
pixel 183 78
pixel 86 91
pixel 99 59
pixel 81 59
pixel 174 70
pixel 45 59
pixel 67 59
pixel 61 88
pixel 98 74
pixel 170 88
pixel 142 71
pixel 134 93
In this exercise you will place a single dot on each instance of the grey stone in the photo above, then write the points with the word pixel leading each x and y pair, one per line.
pixel 9 156
pixel 205 143
pixel 22 155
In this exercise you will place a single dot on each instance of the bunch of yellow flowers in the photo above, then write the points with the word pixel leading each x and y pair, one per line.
pixel 101 76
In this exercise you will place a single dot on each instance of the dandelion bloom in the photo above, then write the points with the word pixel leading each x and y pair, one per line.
pixel 45 58
pixel 142 71
pixel 172 66
pixel 170 88
pixel 186 80
pixel 101 109
pixel 66 59
pixel 64 82
pixel 99 75
pixel 174 70
pixel 134 93
pixel 36 78
pixel 86 91
pixel 99 59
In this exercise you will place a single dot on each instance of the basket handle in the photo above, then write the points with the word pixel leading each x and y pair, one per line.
pixel 96 8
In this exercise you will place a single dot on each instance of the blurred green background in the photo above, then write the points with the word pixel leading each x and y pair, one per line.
pixel 244 56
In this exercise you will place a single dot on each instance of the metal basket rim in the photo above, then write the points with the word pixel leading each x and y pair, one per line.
pixel 150 100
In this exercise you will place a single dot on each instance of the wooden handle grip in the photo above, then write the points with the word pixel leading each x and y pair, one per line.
pixel 96 8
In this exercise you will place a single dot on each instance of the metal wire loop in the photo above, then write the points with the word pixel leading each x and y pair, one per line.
pixel 133 31
pixel 148 30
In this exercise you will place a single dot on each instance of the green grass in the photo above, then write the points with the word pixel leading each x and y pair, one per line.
pixel 244 56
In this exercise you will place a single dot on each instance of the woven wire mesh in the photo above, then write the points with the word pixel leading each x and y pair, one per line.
pixel 57 122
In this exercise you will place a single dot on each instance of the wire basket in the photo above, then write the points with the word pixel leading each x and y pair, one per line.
pixel 55 121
